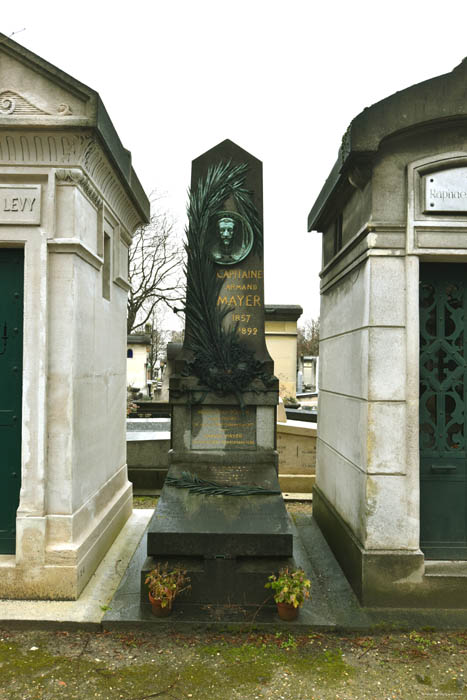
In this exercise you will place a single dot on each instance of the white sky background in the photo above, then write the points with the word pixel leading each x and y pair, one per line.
pixel 281 79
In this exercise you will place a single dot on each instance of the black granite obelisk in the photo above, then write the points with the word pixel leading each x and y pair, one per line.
pixel 224 395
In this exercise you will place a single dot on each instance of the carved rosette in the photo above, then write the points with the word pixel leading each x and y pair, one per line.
pixel 7 105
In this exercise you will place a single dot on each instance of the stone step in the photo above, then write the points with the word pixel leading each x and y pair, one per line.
pixel 446 568
pixel 226 582
pixel 149 480
pixel 288 496
pixel 301 483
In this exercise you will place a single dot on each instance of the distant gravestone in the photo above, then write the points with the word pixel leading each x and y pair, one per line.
pixel 223 394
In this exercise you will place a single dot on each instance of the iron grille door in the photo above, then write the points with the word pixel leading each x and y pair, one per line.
pixel 443 354
pixel 11 355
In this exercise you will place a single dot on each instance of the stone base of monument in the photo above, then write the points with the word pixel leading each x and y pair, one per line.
pixel 236 581
pixel 228 544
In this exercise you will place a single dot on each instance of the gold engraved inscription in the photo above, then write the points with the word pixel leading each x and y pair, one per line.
pixel 222 428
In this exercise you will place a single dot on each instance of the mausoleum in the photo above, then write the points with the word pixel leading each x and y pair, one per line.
pixel 391 484
pixel 69 203
pixel 281 341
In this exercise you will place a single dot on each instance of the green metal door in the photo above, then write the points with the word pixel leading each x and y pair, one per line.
pixel 11 355
pixel 443 386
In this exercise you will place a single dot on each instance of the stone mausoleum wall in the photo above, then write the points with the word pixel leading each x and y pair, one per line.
pixel 281 341
pixel 75 495
pixel 377 229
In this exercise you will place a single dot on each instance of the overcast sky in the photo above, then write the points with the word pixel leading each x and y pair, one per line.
pixel 281 79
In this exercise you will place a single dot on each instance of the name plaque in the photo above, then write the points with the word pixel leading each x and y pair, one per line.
pixel 446 191
pixel 223 428
pixel 20 204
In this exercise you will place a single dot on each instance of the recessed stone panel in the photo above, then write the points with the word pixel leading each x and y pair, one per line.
pixel 20 204
pixel 223 428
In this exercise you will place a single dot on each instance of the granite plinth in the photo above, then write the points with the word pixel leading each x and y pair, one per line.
pixel 192 524
pixel 223 581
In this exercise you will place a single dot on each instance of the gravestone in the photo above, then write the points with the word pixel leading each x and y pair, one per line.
pixel 224 396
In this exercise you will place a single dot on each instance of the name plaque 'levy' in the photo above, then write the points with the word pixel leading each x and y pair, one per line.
pixel 223 428
pixel 20 205
pixel 446 191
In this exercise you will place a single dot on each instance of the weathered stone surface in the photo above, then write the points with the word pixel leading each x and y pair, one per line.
pixel 296 444
pixel 56 137
pixel 243 286
pixel 223 435
pixel 190 524
pixel 235 582
pixel 395 199
pixel 223 428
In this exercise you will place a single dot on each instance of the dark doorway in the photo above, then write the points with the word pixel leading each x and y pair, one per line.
pixel 11 359
pixel 443 358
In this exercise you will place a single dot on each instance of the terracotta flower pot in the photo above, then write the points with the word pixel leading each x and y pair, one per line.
pixel 157 609
pixel 287 611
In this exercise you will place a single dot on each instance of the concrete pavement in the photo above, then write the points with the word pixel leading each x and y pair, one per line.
pixel 111 600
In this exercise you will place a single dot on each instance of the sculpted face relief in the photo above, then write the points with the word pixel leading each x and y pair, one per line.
pixel 231 238
pixel 226 232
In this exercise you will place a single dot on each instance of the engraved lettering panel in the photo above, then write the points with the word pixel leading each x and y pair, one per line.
pixel 242 292
pixel 223 428
pixel 20 204
pixel 446 191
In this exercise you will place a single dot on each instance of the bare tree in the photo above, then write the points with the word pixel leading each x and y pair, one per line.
pixel 308 337
pixel 155 269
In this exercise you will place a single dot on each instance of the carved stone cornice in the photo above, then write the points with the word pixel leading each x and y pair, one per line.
pixel 72 151
pixel 73 176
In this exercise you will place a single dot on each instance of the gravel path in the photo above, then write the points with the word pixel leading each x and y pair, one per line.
pixel 48 665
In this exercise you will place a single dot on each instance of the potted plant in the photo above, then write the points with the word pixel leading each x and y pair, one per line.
pixel 291 402
pixel 291 588
pixel 164 585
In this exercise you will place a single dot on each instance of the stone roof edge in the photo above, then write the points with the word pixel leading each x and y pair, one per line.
pixel 138 339
pixel 379 121
pixel 282 312
pixel 99 121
